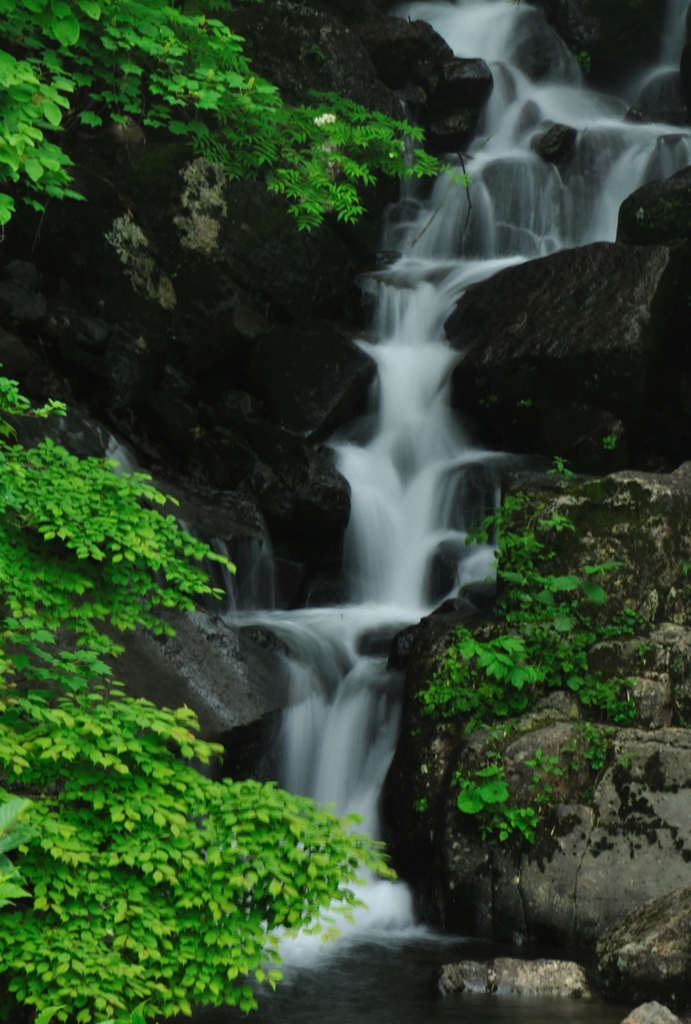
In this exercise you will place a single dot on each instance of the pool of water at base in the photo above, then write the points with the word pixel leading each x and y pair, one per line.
pixel 391 982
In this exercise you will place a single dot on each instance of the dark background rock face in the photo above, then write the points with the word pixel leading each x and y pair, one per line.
pixel 620 36
pixel 585 328
pixel 311 377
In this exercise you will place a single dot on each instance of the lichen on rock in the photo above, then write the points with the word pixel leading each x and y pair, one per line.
pixel 203 200
pixel 134 250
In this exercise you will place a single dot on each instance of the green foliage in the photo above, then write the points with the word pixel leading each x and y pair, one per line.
pixel 484 680
pixel 67 63
pixel 13 833
pixel 609 443
pixel 153 885
pixel 584 59
pixel 485 795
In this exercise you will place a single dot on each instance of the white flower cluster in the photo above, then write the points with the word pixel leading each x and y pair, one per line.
pixel 325 119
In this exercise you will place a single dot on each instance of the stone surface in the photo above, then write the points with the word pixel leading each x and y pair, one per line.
pixel 615 829
pixel 226 678
pixel 556 144
pixel 647 955
pixel 403 50
pixel 311 377
pixel 299 49
pixel 620 36
pixel 651 1013
pixel 509 977
pixel 640 520
pixel 657 213
pixel 462 82
pixel 585 326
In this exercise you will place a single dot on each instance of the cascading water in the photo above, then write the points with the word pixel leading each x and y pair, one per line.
pixel 418 483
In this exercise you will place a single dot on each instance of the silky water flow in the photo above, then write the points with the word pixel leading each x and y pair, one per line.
pixel 418 484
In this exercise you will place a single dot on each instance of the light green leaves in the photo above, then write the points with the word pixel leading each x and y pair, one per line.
pixel 154 887
pixel 152 61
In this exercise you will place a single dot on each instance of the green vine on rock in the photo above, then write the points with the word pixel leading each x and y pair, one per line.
pixel 538 642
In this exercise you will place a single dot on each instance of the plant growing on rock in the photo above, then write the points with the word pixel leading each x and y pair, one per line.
pixel 71 64
pixel 151 884
pixel 539 642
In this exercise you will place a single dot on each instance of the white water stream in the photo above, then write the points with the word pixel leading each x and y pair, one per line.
pixel 418 483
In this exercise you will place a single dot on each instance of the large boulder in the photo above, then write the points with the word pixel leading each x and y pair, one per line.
pixel 614 801
pixel 658 213
pixel 223 675
pixel 619 36
pixel 301 49
pixel 647 955
pixel 404 51
pixel 311 377
pixel 562 354
pixel 449 91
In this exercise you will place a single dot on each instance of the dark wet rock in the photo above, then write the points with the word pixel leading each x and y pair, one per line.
pixel 403 50
pixel 686 78
pixel 172 419
pixel 298 273
pixel 302 494
pixel 75 431
pixel 231 409
pixel 539 53
pixel 227 679
pixel 647 955
pixel 586 327
pixel 556 144
pixel 15 357
pixel 376 643
pixel 297 489
pixel 300 49
pixel 113 365
pixel 265 638
pixel 224 458
pixel 311 377
pixel 451 133
pixel 658 213
pixel 462 82
pixel 573 20
pixel 619 36
pixel 588 437
pixel 245 747
pixel 323 591
pixel 510 977
pixel 651 1013
pixel 20 295
pixel 662 100
pixel 289 574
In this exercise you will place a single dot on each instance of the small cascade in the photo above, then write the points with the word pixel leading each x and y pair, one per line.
pixel 252 586
pixel 418 482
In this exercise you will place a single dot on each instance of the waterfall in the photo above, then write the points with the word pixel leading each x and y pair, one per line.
pixel 418 482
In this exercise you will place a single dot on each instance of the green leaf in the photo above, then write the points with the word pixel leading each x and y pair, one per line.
pixel 47 1013
pixel 52 112
pixel 91 9
pixel 33 169
pixel 66 30
pixel 593 592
